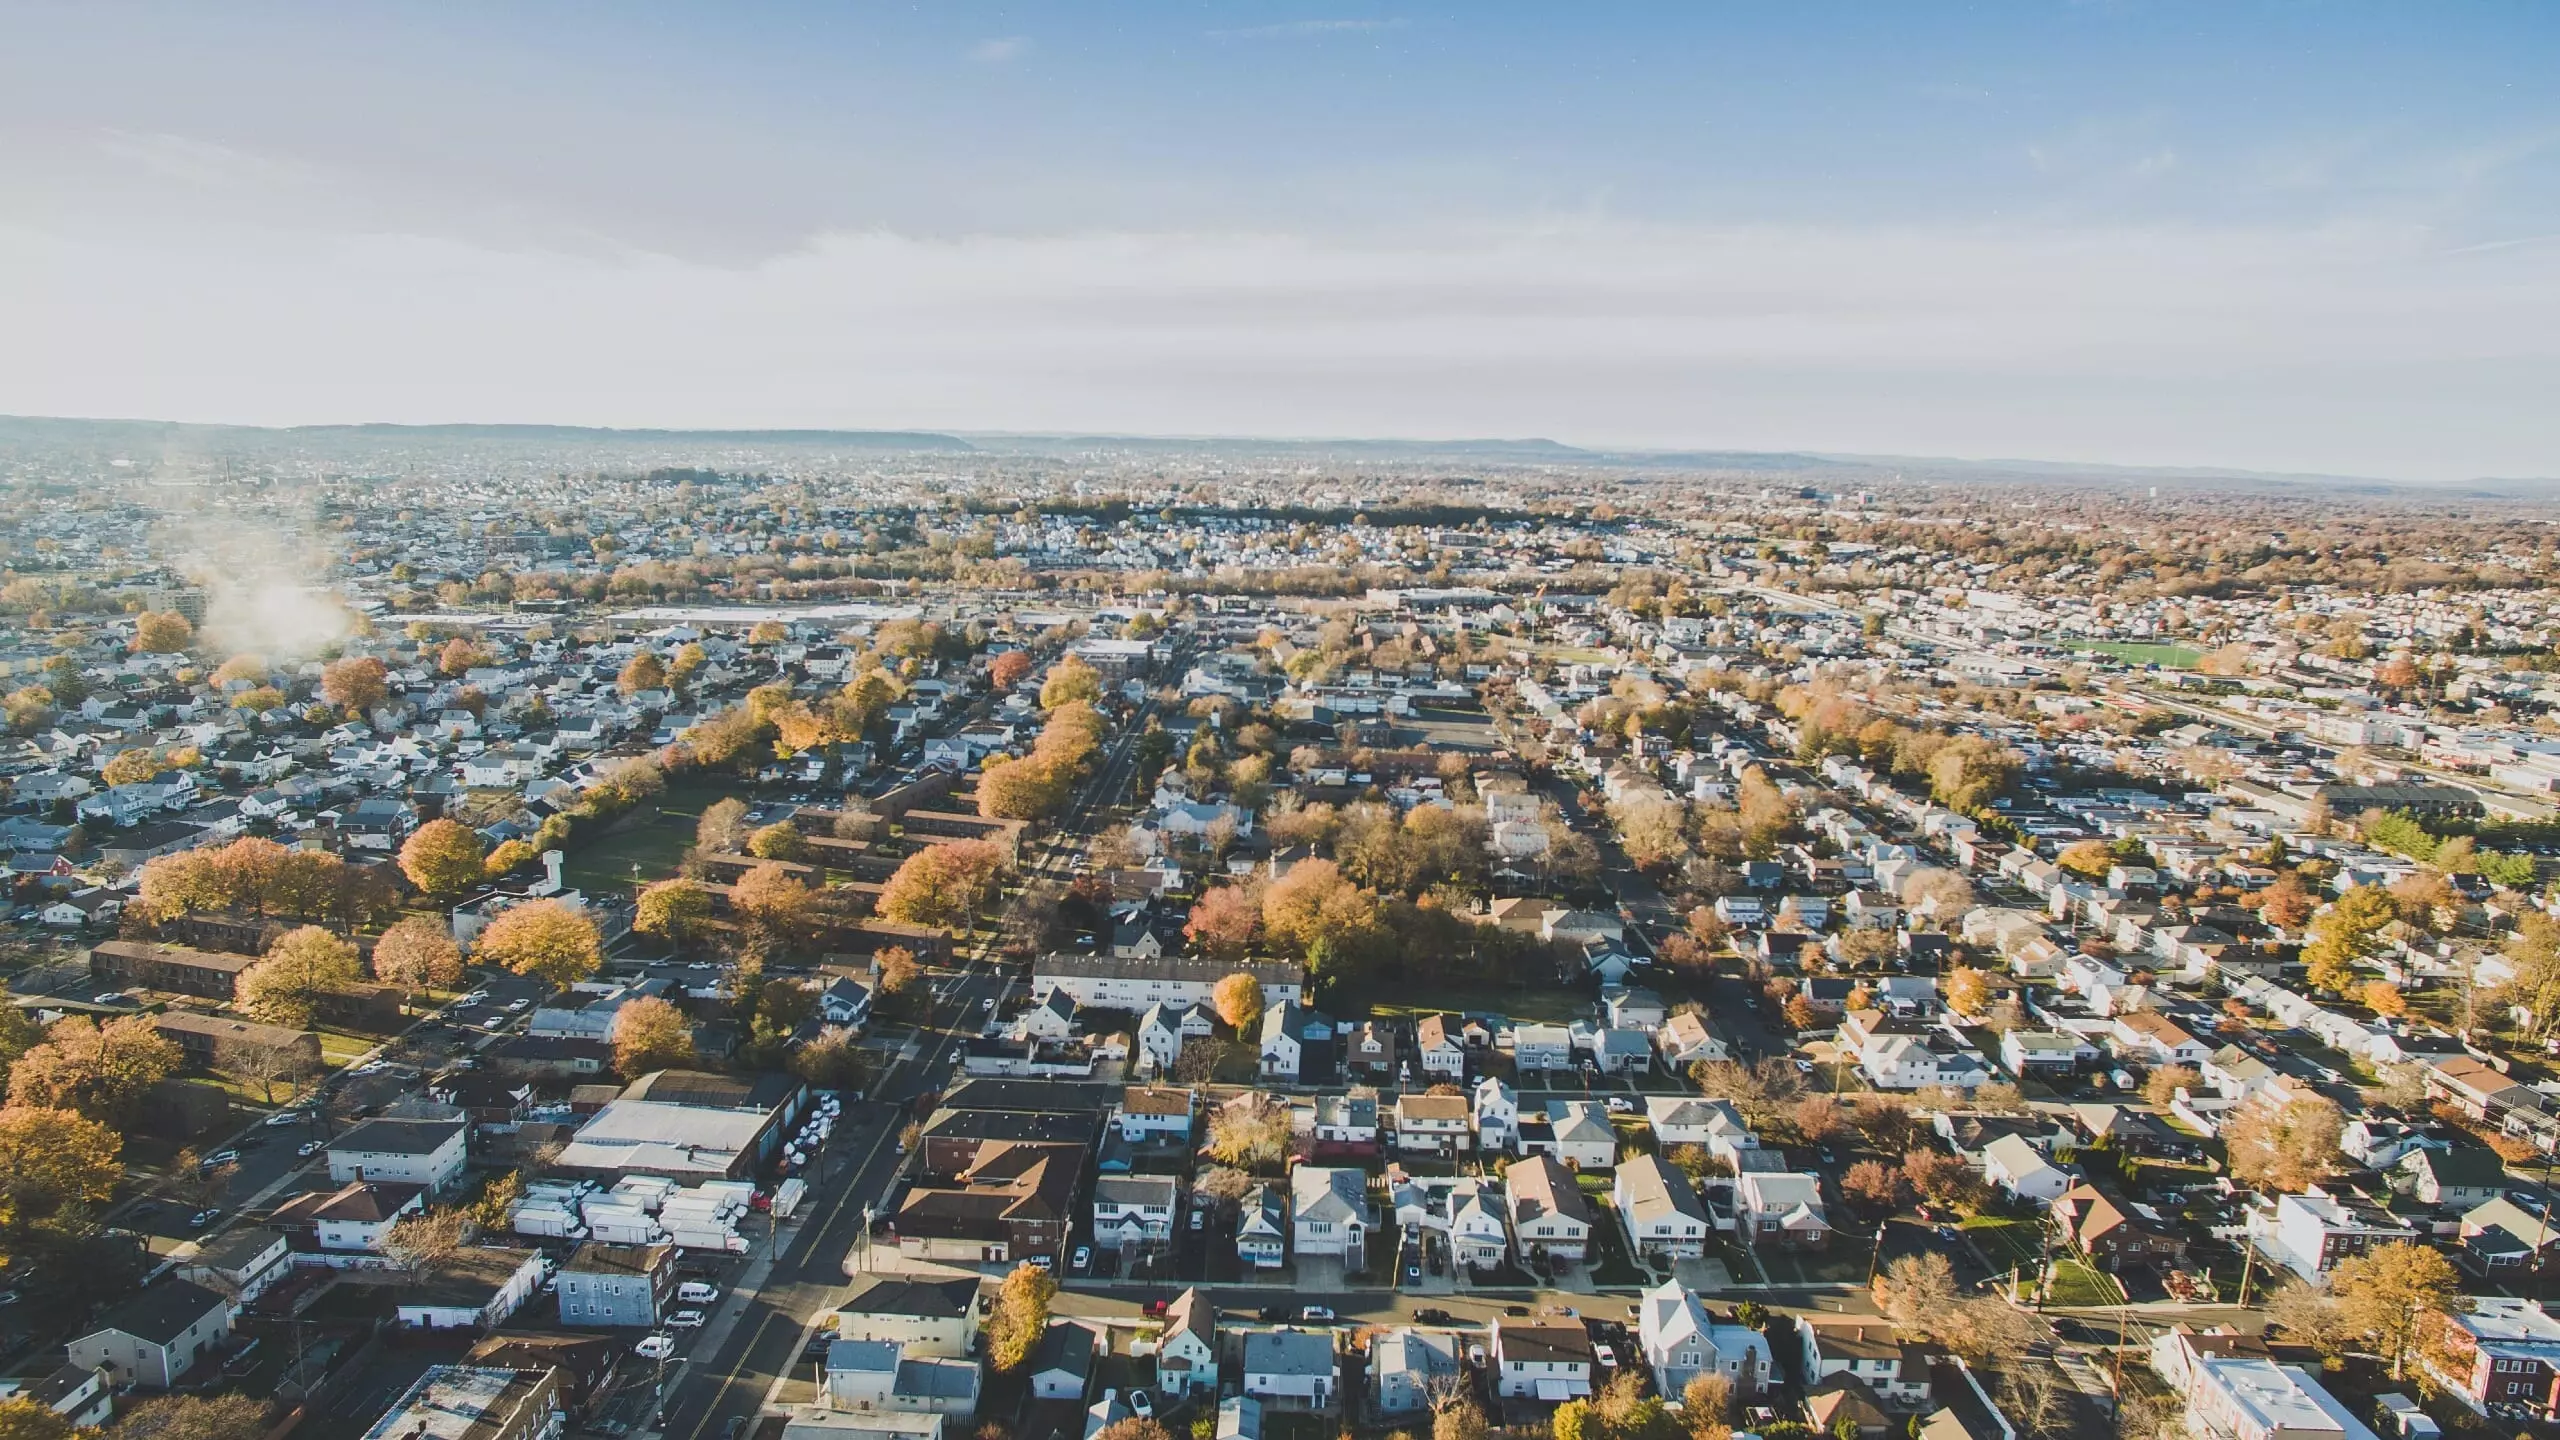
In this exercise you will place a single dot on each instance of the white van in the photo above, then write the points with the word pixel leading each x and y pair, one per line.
pixel 694 1292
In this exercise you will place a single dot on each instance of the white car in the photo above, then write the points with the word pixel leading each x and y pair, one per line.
pixel 1142 1404
pixel 310 1148
pixel 289 1117
pixel 685 1320
pixel 1621 1105
pixel 656 1347
pixel 1316 1312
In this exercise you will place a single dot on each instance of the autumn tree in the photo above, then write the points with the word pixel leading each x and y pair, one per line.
pixel 1313 910
pixel 51 1159
pixel 418 954
pixel 232 1416
pixel 643 671
pixel 1225 922
pixel 2390 1295
pixel 23 1417
pixel 649 1034
pixel 443 858
pixel 551 941
pixel 2162 1085
pixel 672 910
pixel 773 902
pixel 780 840
pixel 942 884
pixel 2384 999
pixel 1019 1316
pixel 1238 1000
pixel 2088 859
pixel 1249 1137
pixel 1070 680
pixel 1967 990
pixel 1874 1184
pixel 161 632
pixel 358 683
pixel 2288 1145
pixel 1008 669
pixel 285 986
pixel 1021 789
pixel 424 1243
pixel 101 1071
pixel 2307 1314
pixel 1917 1293
pixel 722 828
pixel 2347 934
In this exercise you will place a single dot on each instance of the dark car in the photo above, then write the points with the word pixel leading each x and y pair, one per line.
pixel 1431 1315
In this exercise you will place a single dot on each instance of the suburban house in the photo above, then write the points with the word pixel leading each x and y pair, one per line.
pixel 1551 1363
pixel 1409 1368
pixel 1548 1213
pixel 1331 1214
pixel 1432 1124
pixel 1130 1211
pixel 154 1339
pixel 1871 1353
pixel 921 1317
pixel 1187 1352
pixel 1681 1341
pixel 1780 1207
pixel 1292 1369
pixel 1663 1214
pixel 426 1153
pixel 617 1285
pixel 1262 1228
pixel 2017 1167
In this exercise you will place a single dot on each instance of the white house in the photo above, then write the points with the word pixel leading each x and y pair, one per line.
pixel 1497 1115
pixel 1432 1124
pixel 2018 1168
pixel 409 1152
pixel 1331 1213
pixel 1691 1120
pixel 1262 1228
pixel 1187 1351
pixel 1541 1047
pixel 1663 1215
pixel 1551 1363
pixel 1548 1213
pixel 1292 1369
pixel 1134 1210
pixel 1681 1341
pixel 153 1339
pixel 1871 1352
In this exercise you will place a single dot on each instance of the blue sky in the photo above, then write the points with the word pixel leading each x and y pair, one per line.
pixel 2303 235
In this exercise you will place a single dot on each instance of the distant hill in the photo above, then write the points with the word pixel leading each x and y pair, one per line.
pixel 161 432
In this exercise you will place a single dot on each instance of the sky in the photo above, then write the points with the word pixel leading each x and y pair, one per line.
pixel 2292 235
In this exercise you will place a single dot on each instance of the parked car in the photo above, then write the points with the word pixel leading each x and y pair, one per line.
pixel 285 1117
pixel 655 1347
pixel 202 1218
pixel 1430 1315
pixel 694 1292
pixel 1142 1404
pixel 1082 1260
pixel 309 1148
pixel 1316 1313
pixel 1621 1105
pixel 685 1320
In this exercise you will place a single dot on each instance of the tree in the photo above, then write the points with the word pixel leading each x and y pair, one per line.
pixel 2283 1146
pixel 1874 1184
pixel 1917 1293
pixel 1968 990
pixel 193 1417
pixel 1225 922
pixel 1223 1183
pixel 2383 998
pixel 358 683
pixel 1938 1177
pixel 649 1034
pixel 1573 1421
pixel 423 1243
pixel 101 1071
pixel 2346 934
pixel 2089 859
pixel 545 939
pixel 418 954
pixel 643 671
pixel 1070 680
pixel 832 1061
pixel 1019 1316
pixel 898 971
pixel 773 902
pixel 942 884
pixel 1238 1001
pixel 161 632
pixel 2392 1293
pixel 51 1159
pixel 1023 789
pixel 1133 1428
pixel 1707 1403
pixel 722 830
pixel 23 1417
pixel 780 840
pixel 2286 903
pixel 2162 1085
pixel 1314 906
pixel 672 910
pixel 2309 1315
pixel 1248 1136
pixel 443 858
pixel 1818 1118
pixel 284 987
pixel 1457 1418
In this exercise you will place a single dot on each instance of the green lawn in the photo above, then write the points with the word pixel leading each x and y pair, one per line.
pixel 653 838
pixel 2004 1243
pixel 2076 1284
pixel 1551 1006
pixel 2168 657
pixel 339 1049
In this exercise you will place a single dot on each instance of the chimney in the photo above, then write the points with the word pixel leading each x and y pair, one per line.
pixel 551 868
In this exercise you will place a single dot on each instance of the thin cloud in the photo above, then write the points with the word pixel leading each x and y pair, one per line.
pixel 1001 49
pixel 1301 29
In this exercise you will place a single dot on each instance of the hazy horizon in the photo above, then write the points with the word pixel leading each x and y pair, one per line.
pixel 2272 237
